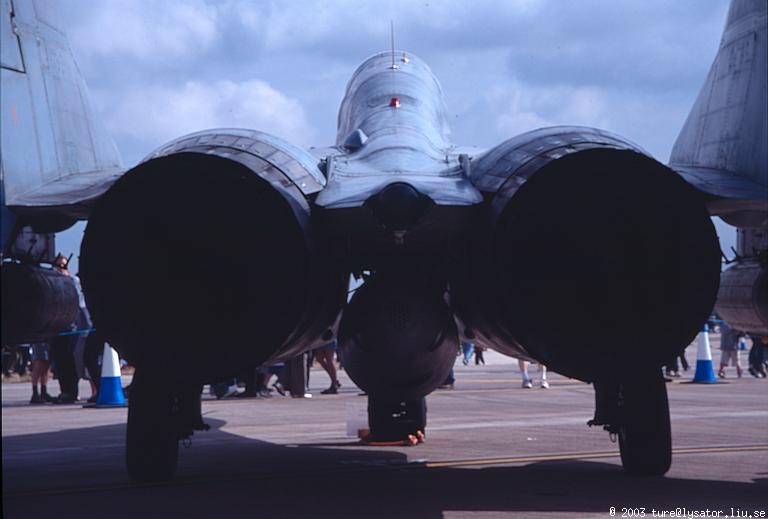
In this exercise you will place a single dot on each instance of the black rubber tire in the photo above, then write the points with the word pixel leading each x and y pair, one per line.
pixel 152 443
pixel 645 436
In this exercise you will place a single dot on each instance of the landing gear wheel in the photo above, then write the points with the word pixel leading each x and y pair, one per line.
pixel 152 441
pixel 645 436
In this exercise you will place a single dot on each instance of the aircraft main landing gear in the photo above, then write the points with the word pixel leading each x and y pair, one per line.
pixel 636 410
pixel 158 418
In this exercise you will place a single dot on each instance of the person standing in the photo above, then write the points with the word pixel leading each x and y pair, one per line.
pixel 325 357
pixel 527 382
pixel 41 364
pixel 84 328
pixel 266 373
pixel 94 348
pixel 62 352
pixel 479 358
pixel 729 350
pixel 672 368
pixel 449 381
pixel 294 377
pixel 467 348
pixel 757 355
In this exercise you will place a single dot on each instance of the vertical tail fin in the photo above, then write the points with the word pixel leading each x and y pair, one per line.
pixel 56 153
pixel 723 146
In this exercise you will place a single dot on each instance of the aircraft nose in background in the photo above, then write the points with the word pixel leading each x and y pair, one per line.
pixel 399 206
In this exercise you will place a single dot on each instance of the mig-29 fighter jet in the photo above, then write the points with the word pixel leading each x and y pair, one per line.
pixel 513 247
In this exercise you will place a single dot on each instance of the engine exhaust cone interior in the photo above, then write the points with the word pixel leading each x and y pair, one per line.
pixel 605 259
pixel 193 256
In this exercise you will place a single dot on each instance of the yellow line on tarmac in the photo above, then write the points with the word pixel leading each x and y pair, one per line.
pixel 742 448
pixel 413 464
pixel 585 455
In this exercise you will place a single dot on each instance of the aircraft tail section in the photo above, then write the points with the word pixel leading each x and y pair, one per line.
pixel 57 157
pixel 722 148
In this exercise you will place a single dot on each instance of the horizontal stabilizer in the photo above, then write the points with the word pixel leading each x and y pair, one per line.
pixel 71 196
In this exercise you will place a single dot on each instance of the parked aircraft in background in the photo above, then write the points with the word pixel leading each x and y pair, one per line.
pixel 231 247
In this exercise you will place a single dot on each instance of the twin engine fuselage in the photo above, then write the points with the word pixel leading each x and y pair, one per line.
pixel 241 246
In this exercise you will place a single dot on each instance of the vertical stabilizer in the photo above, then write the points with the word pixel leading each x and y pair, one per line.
pixel 56 154
pixel 723 146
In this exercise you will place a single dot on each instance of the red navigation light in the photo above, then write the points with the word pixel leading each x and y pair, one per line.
pixel 394 102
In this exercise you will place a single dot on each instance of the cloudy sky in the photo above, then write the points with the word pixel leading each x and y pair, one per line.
pixel 158 70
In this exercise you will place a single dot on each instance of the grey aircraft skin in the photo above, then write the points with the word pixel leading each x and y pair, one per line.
pixel 514 247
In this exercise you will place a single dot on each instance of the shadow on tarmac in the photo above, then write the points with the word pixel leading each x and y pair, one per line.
pixel 80 473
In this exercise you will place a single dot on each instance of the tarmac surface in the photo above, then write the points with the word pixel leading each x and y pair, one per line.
pixel 493 449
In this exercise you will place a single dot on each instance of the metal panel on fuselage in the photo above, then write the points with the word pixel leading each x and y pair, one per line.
pixel 723 146
pixel 49 129
pixel 398 105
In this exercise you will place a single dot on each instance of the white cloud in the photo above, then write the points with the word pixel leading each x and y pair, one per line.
pixel 147 30
pixel 157 113
pixel 292 24
pixel 525 108
pixel 586 63
pixel 633 67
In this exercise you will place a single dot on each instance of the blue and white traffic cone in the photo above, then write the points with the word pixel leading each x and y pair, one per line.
pixel 705 373
pixel 110 387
